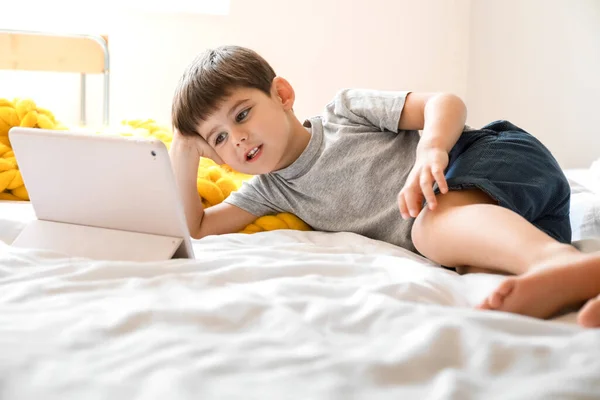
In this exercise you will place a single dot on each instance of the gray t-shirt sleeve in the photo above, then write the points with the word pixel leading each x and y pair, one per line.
pixel 375 108
pixel 253 197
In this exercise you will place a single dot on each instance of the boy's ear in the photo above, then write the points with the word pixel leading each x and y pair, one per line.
pixel 284 91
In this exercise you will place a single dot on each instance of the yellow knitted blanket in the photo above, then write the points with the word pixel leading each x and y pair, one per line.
pixel 215 182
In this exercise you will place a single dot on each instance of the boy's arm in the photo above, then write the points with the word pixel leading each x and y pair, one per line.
pixel 185 153
pixel 441 118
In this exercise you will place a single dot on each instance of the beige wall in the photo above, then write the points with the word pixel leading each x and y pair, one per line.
pixel 534 62
pixel 537 63
pixel 319 45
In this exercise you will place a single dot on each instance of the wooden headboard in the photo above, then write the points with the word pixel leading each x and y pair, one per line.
pixel 46 52
pixel 54 52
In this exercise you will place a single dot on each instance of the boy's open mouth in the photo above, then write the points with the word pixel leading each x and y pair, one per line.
pixel 254 153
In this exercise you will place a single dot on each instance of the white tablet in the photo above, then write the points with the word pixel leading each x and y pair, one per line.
pixel 110 182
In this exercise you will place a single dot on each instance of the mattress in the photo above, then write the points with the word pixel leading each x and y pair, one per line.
pixel 280 314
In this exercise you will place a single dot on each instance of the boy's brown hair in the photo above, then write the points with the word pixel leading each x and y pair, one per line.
pixel 211 77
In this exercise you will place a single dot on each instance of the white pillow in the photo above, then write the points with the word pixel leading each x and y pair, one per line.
pixel 585 204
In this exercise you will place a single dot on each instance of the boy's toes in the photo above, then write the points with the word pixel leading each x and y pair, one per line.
pixel 484 305
pixel 589 315
pixel 507 286
pixel 495 300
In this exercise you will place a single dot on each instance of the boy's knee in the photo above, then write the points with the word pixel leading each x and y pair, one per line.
pixel 421 232
pixel 424 229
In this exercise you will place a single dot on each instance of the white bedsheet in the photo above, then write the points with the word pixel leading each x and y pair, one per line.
pixel 303 315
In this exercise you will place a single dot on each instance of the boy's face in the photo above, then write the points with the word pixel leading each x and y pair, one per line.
pixel 250 131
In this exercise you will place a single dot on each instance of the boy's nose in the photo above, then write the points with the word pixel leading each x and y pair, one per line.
pixel 240 137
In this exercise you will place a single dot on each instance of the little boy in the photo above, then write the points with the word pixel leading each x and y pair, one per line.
pixel 401 167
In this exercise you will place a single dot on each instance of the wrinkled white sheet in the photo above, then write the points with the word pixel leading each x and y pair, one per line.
pixel 302 315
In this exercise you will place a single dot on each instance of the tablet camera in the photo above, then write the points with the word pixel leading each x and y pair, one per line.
pixel 153 153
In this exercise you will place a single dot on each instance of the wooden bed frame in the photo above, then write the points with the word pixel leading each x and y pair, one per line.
pixel 55 52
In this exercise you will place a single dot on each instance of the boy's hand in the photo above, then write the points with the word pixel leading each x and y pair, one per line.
pixel 429 168
pixel 197 144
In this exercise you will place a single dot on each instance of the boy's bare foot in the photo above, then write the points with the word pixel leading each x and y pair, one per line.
pixel 543 292
pixel 589 316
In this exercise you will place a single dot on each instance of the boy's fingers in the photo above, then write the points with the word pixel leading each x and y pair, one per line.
pixel 439 177
pixel 402 206
pixel 207 151
pixel 412 198
pixel 427 188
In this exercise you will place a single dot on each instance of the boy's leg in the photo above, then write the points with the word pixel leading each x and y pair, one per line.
pixel 468 229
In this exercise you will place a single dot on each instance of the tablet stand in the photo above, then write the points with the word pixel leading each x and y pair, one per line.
pixel 97 243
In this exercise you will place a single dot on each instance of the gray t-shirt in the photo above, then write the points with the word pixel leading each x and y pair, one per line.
pixel 349 175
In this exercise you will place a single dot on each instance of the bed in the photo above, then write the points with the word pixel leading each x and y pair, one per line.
pixel 279 314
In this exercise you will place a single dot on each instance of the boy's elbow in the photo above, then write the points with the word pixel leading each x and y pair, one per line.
pixel 447 97
pixel 447 101
pixel 456 100
pixel 201 230
pixel 195 228
pixel 196 234
pixel 202 233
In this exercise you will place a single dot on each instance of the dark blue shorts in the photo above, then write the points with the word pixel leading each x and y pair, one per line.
pixel 516 170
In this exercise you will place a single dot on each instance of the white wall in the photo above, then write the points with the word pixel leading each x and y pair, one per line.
pixel 319 45
pixel 537 63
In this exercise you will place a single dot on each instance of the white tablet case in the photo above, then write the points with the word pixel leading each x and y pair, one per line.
pixel 100 196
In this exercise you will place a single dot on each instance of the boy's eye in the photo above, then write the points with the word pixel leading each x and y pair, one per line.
pixel 220 137
pixel 242 116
